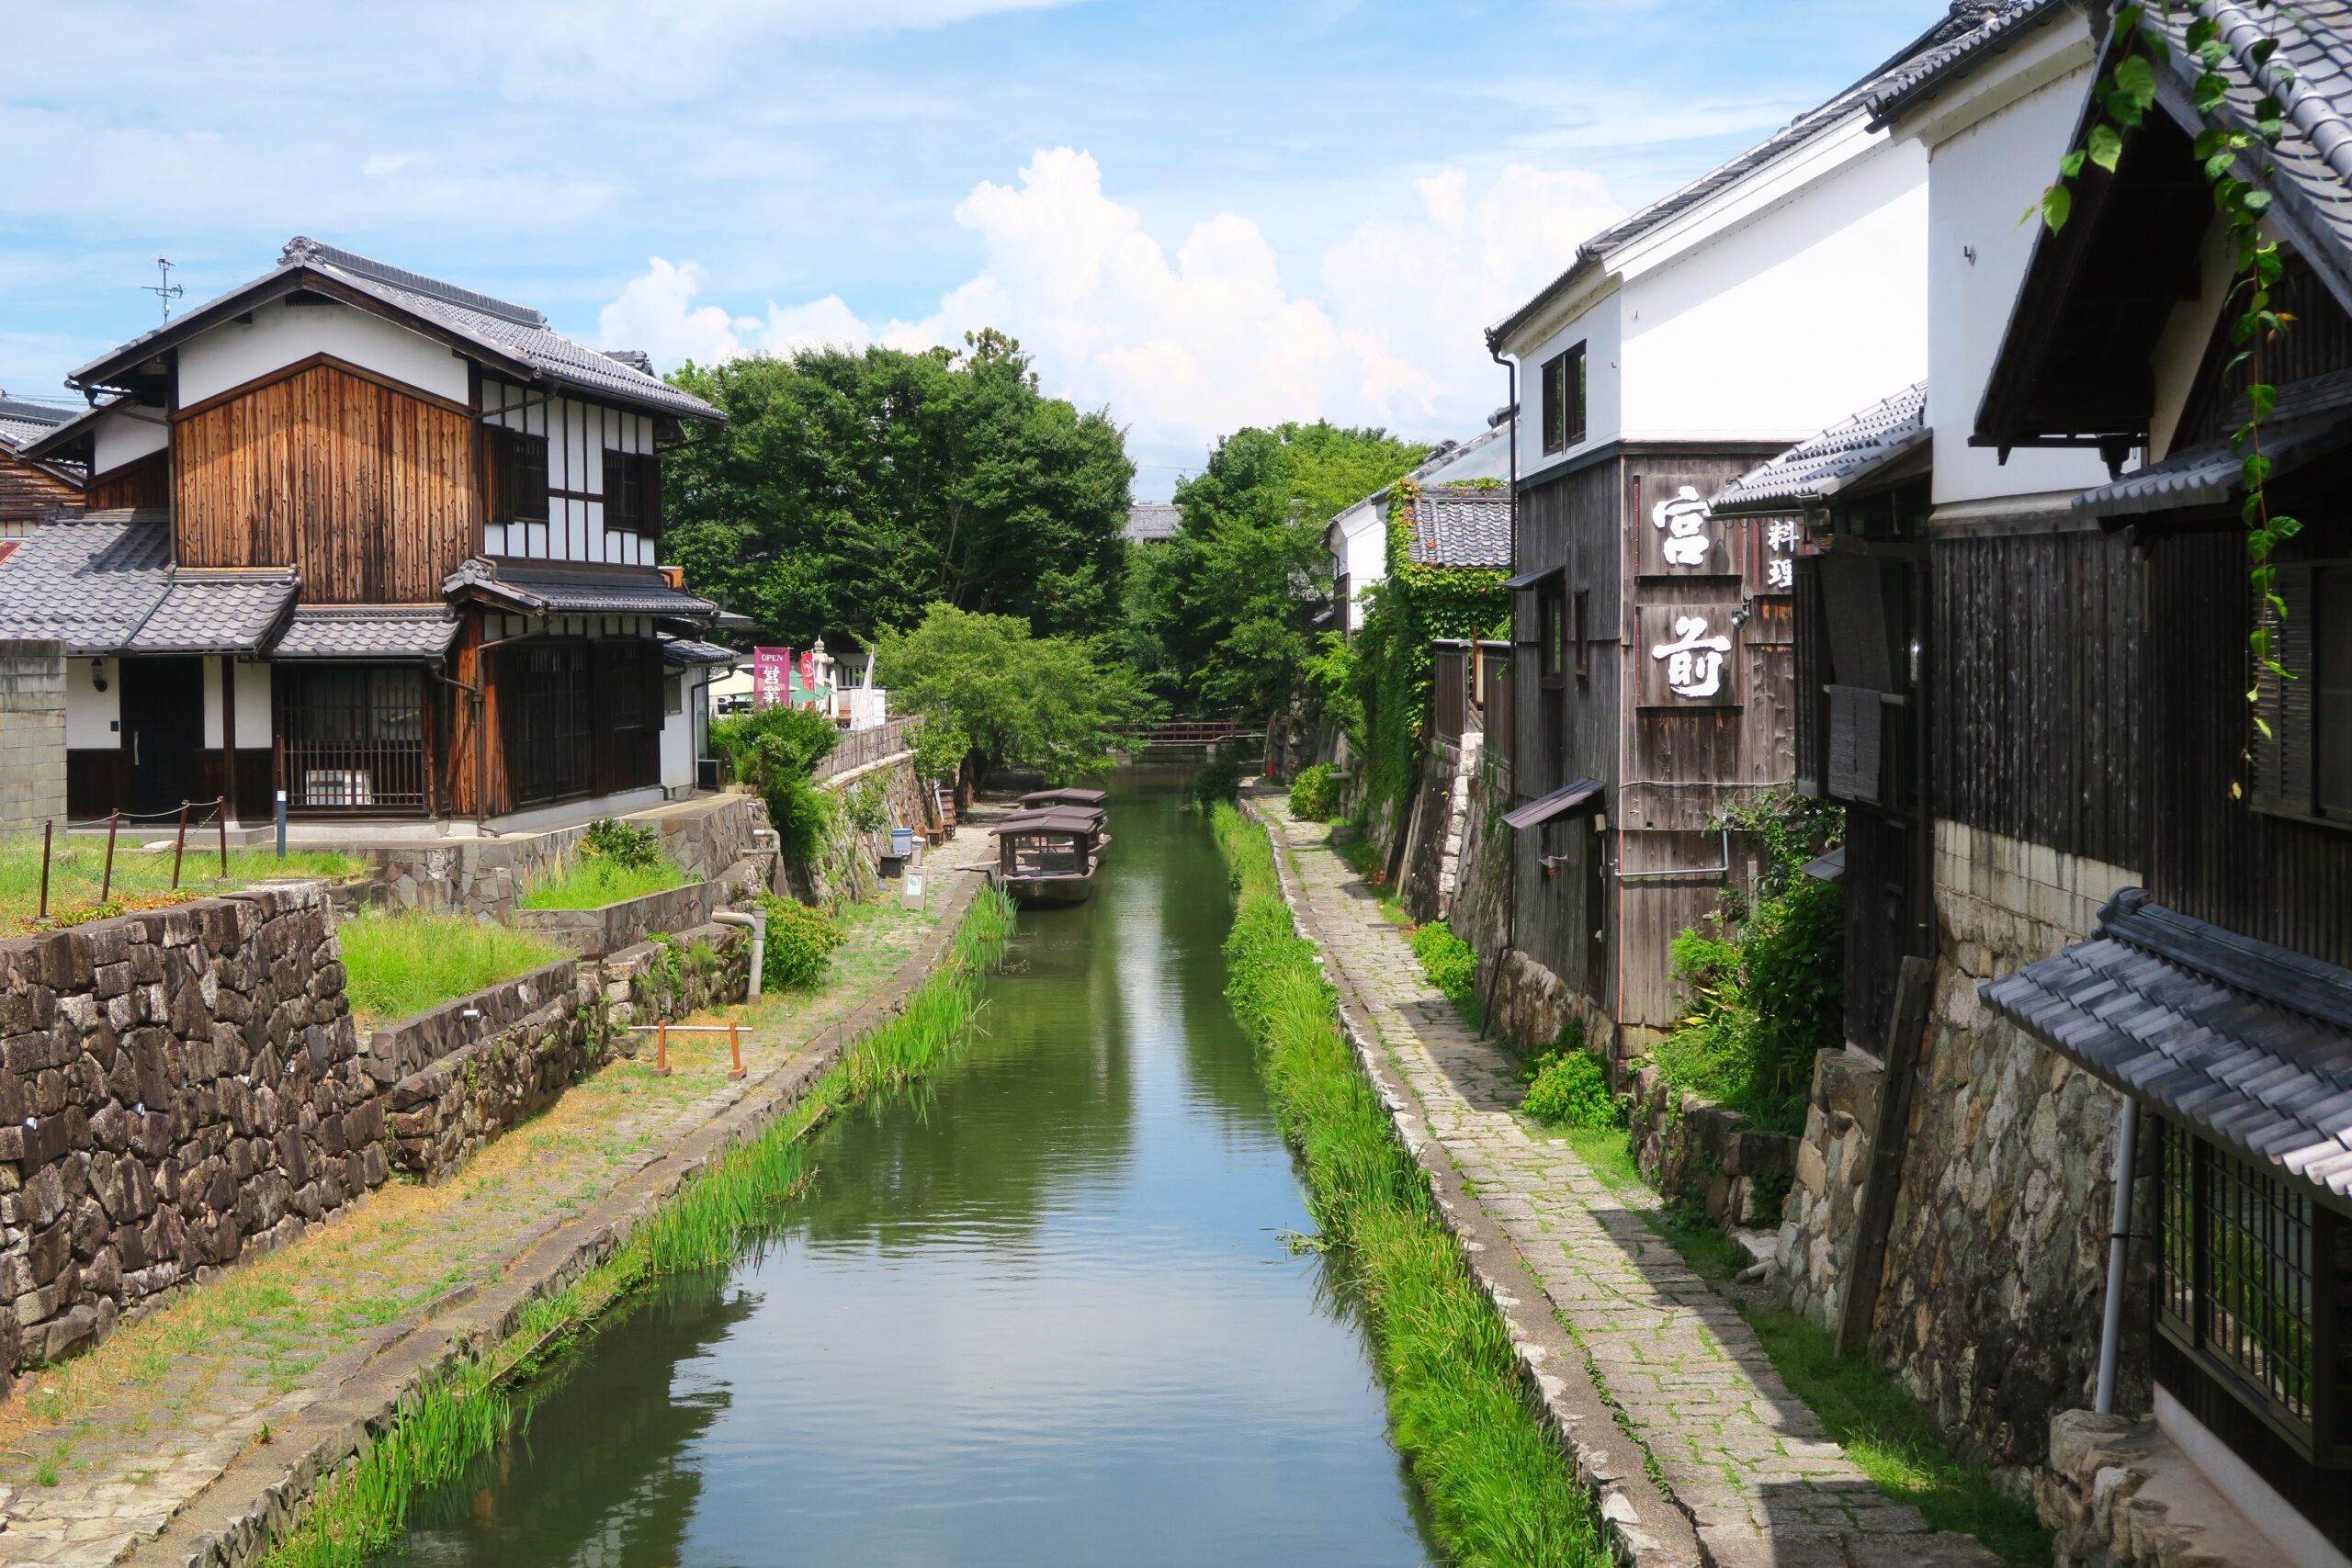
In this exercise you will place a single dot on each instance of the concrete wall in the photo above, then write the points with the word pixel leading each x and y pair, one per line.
pixel 1989 1309
pixel 32 734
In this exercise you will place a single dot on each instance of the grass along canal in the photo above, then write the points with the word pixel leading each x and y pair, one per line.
pixel 1051 1308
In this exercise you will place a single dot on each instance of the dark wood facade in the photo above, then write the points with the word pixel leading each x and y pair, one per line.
pixel 1602 906
pixel 364 486
pixel 30 492
pixel 144 482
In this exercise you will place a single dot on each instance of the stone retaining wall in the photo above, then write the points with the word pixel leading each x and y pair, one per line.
pixel 178 1086
pixel 608 929
pixel 2119 1494
pixel 1708 1156
pixel 847 868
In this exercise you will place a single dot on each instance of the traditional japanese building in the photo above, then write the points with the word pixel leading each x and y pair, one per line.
pixel 380 542
pixel 31 490
pixel 1651 684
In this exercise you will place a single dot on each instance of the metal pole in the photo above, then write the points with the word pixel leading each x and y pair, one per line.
pixel 47 837
pixel 220 815
pixel 106 883
pixel 281 824
pixel 2110 1328
pixel 179 847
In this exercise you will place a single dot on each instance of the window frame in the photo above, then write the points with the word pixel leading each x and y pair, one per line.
pixel 632 494
pixel 1566 384
pixel 2290 762
pixel 515 497
pixel 1554 658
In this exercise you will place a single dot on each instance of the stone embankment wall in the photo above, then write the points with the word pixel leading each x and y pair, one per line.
pixel 1707 1155
pixel 1995 1271
pixel 484 877
pixel 479 1066
pixel 177 1088
pixel 847 868
pixel 182 1087
pixel 32 734
pixel 595 932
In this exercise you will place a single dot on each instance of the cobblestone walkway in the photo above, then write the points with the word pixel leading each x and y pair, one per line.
pixel 1762 1482
pixel 102 1451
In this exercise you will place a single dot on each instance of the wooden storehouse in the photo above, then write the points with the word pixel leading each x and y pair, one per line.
pixel 384 542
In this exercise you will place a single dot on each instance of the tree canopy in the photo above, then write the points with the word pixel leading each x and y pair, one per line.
pixel 990 692
pixel 849 490
pixel 1221 615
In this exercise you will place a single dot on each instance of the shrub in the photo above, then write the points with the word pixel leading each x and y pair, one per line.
pixel 1452 964
pixel 1569 1088
pixel 1217 782
pixel 622 843
pixel 1315 794
pixel 800 943
pixel 773 752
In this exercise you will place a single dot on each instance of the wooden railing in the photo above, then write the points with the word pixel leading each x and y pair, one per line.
pixel 1190 731
pixel 863 748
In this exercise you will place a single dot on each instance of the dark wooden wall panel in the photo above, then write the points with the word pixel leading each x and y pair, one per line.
pixel 96 781
pixel 368 491
pixel 27 490
pixel 2037 690
pixel 146 483
pixel 2209 854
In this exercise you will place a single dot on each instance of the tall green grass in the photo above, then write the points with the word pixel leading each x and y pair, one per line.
pixel 591 882
pixel 447 1424
pixel 401 965
pixel 1498 1489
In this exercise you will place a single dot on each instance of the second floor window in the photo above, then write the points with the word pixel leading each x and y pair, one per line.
pixel 522 473
pixel 632 493
pixel 2303 762
pixel 1564 400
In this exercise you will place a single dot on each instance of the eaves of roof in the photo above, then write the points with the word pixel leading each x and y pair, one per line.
pixel 1937 69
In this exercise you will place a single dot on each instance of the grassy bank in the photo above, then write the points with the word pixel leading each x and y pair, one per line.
pixel 448 1424
pixel 591 882
pixel 141 877
pixel 1498 1486
pixel 399 964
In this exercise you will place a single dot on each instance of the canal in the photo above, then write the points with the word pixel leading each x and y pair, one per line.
pixel 1050 1312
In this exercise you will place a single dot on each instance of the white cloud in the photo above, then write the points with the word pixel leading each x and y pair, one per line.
pixel 657 313
pixel 1188 345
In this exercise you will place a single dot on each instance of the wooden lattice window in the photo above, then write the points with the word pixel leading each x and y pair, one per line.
pixel 2248 1278
pixel 2302 750
pixel 524 475
pixel 550 723
pixel 1564 400
pixel 351 738
pixel 632 494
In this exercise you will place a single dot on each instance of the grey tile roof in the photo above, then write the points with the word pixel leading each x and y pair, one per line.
pixel 2001 23
pixel 1965 18
pixel 366 631
pixel 1460 525
pixel 542 588
pixel 1844 454
pixel 2248 1042
pixel 1149 521
pixel 688 652
pixel 21 422
pixel 216 612
pixel 87 581
pixel 2313 418
pixel 2312 162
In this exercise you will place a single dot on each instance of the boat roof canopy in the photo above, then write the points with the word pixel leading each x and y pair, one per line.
pixel 1065 797
pixel 1060 819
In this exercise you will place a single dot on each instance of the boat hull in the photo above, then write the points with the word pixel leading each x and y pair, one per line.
pixel 1048 892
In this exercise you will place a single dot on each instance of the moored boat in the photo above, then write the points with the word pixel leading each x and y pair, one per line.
pixel 1048 854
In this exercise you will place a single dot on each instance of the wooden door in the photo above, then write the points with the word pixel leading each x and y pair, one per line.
pixel 162 729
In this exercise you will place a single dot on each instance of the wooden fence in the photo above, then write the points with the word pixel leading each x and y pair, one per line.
pixel 863 748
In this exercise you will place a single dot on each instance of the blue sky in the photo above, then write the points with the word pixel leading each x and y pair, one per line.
pixel 1199 213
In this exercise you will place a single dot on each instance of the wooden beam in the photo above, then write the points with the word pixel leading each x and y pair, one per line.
pixel 1874 1216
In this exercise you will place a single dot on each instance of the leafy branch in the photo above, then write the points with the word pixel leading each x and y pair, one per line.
pixel 2236 164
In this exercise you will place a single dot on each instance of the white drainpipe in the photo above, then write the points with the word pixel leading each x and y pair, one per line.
pixel 2111 1332
pixel 758 921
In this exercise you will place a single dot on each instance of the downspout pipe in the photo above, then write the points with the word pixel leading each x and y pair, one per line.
pixel 758 921
pixel 1510 887
pixel 2110 1331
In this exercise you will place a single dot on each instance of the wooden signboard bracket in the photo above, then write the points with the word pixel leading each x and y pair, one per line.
pixel 1914 990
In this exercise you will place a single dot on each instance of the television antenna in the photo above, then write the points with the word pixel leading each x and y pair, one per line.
pixel 166 291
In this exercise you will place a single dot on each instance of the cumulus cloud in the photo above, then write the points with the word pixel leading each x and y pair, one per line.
pixel 1187 343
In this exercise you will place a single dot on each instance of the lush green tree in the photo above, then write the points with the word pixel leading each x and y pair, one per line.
pixel 991 692
pixel 1232 604
pixel 849 490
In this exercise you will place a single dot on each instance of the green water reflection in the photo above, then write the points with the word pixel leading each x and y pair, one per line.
pixel 1044 1316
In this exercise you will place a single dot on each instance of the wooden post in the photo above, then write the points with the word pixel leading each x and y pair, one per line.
pixel 1914 989
pixel 106 883
pixel 47 837
pixel 179 847
pixel 735 1048
pixel 661 1049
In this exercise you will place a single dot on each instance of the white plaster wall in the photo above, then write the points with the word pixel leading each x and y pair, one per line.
pixel 255 716
pixel 678 729
pixel 1598 327
pixel 1362 554
pixel 1981 180
pixel 232 354
pixel 92 716
pixel 578 436
pixel 1801 312
pixel 212 701
pixel 122 436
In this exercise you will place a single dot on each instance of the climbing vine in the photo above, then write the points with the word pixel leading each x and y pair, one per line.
pixel 2237 164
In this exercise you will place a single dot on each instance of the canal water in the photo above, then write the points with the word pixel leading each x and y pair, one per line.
pixel 1048 1314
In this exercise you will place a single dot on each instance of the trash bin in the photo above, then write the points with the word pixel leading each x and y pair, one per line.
pixel 902 841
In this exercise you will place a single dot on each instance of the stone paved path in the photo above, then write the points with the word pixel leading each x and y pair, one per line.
pixel 101 1451
pixel 1761 1480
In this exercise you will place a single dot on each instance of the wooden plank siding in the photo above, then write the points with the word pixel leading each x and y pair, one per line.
pixel 2211 855
pixel 366 490
pixel 28 491
pixel 143 482
pixel 468 663
pixel 2036 690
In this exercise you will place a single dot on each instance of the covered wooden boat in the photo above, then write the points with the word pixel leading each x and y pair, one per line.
pixel 1049 855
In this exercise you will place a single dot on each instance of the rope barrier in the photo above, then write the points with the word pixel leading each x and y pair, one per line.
pixel 216 802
